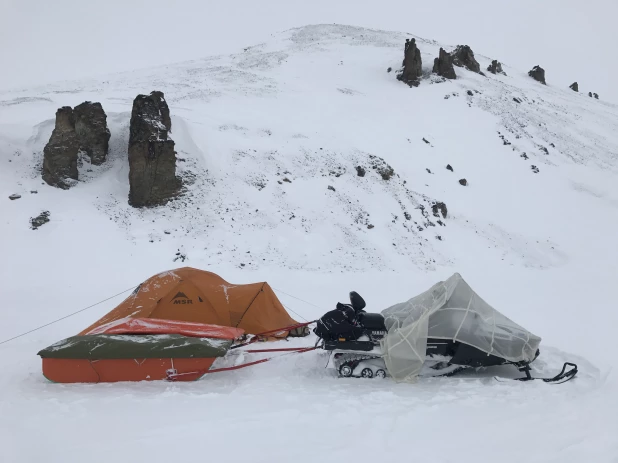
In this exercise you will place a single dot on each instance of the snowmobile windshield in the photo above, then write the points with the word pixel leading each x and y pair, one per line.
pixel 450 310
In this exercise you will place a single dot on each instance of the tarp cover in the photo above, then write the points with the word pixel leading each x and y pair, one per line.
pixel 155 326
pixel 118 346
pixel 450 310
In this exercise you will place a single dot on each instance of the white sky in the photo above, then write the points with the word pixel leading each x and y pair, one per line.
pixel 43 41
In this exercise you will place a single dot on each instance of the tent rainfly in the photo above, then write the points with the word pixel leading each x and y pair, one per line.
pixel 192 295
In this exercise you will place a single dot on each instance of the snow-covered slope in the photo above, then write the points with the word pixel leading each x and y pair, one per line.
pixel 269 141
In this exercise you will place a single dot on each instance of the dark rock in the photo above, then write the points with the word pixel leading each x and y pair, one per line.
pixel 538 74
pixel 381 167
pixel 152 159
pixel 574 86
pixel 463 182
pixel 360 171
pixel 39 220
pixel 470 93
pixel 92 131
pixel 428 171
pixel 332 188
pixel 407 216
pixel 370 226
pixel 496 67
pixel 287 180
pixel 33 192
pixel 426 141
pixel 439 208
pixel 535 169
pixel 596 95
pixel 590 94
pixel 13 197
pixel 448 167
pixel 389 69
pixel 60 153
pixel 463 56
pixel 412 64
pixel 517 100
pixel 443 65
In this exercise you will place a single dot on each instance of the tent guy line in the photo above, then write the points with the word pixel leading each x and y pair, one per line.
pixel 67 316
pixel 122 292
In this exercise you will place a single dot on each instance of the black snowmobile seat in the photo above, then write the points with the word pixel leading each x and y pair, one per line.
pixel 372 321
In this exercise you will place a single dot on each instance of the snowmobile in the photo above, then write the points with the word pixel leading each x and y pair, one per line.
pixel 360 355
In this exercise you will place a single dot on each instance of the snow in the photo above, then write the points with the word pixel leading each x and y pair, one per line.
pixel 310 105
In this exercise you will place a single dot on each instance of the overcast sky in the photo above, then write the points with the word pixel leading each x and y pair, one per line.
pixel 48 40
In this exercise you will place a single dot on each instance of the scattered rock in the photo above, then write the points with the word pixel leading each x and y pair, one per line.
pixel 574 87
pixel 381 167
pixel 443 65
pixel 370 226
pixel 15 196
pixel 332 188
pixel 463 182
pixel 287 180
pixel 524 155
pixel 516 100
pixel 60 153
pixel 538 74
pixel 152 159
pixel 439 208
pixel 535 169
pixel 463 56
pixel 449 167
pixel 360 171
pixel 92 131
pixel 39 220
pixel 407 216
pixel 496 67
pixel 412 64
pixel 182 257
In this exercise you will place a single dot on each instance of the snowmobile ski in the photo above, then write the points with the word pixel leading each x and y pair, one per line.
pixel 562 377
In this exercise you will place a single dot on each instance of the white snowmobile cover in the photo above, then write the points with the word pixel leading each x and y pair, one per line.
pixel 449 310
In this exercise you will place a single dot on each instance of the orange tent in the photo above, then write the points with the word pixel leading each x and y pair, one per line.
pixel 192 295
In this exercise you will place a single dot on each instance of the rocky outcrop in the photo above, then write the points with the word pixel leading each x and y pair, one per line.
pixel 39 220
pixel 538 74
pixel 443 65
pixel 92 131
pixel 496 67
pixel 152 159
pixel 574 87
pixel 60 153
pixel 439 208
pixel 412 64
pixel 463 56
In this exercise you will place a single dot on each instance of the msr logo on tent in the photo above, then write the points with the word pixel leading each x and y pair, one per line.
pixel 181 298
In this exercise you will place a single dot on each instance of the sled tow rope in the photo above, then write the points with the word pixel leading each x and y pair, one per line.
pixel 259 336
pixel 195 375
